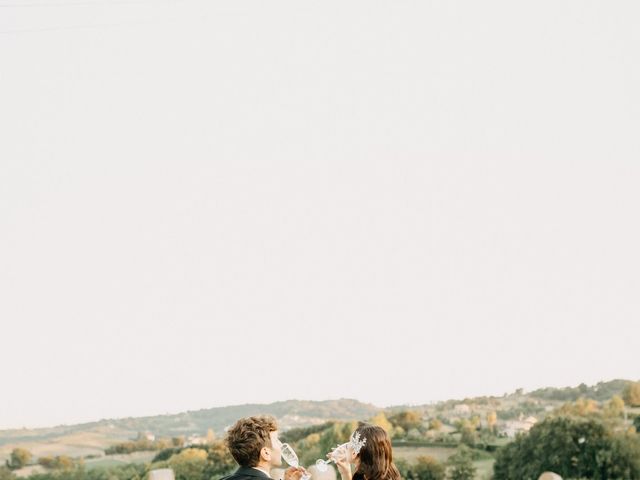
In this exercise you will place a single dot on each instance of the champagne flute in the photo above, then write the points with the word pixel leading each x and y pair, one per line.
pixel 291 458
pixel 339 451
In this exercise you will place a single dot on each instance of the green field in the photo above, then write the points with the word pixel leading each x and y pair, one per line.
pixel 412 453
pixel 485 469
pixel 73 444
pixel 105 461
pixel 484 466
pixel 111 460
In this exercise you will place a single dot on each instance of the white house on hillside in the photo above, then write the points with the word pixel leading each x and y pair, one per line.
pixel 462 410
pixel 512 428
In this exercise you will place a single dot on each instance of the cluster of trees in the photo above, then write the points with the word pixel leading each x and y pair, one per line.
pixel 469 430
pixel 410 425
pixel 143 444
pixel 581 439
pixel 573 447
pixel 457 467
pixel 60 462
pixel 584 407
pixel 296 434
pixel 600 392
pixel 200 462
pixel 6 473
pixel 204 462
pixel 130 471
pixel 474 431
pixel 405 420
pixel 19 458
pixel 631 394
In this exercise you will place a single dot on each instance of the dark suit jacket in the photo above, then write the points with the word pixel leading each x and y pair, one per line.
pixel 247 473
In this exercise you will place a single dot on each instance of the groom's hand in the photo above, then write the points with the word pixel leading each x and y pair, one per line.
pixel 294 473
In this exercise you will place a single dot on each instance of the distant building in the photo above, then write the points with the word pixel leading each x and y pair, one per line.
pixel 195 439
pixel 512 428
pixel 462 410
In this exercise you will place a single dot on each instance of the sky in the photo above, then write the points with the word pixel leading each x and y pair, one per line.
pixel 209 203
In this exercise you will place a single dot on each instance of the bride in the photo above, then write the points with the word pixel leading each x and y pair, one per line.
pixel 369 450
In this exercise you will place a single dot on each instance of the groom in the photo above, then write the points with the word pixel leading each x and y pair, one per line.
pixel 254 444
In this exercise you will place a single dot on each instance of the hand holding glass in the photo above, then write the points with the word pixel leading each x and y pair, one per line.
pixel 337 453
pixel 291 458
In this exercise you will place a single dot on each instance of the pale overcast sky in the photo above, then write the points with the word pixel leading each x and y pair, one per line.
pixel 209 203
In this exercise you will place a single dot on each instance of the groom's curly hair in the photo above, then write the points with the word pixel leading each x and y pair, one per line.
pixel 248 436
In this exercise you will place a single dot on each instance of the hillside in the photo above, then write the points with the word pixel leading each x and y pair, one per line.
pixel 91 438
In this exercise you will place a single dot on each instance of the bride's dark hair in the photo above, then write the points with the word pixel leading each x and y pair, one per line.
pixel 376 458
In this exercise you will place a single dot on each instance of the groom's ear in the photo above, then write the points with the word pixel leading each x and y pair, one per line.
pixel 265 454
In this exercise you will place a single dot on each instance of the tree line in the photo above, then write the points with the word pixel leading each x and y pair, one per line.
pixel 583 439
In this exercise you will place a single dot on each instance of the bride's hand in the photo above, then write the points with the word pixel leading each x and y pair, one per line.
pixel 344 467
